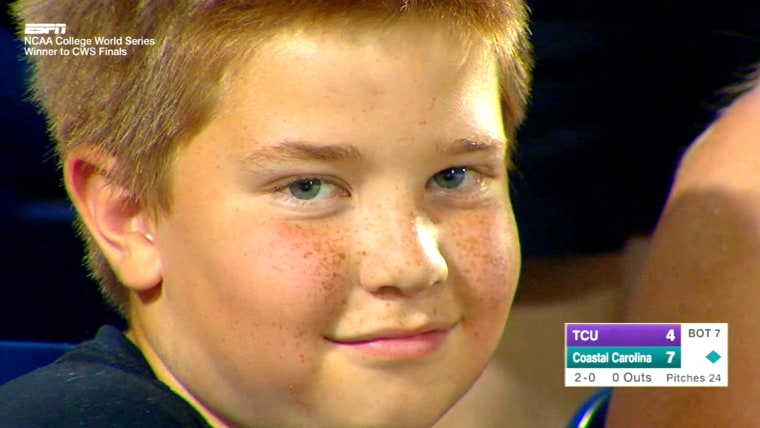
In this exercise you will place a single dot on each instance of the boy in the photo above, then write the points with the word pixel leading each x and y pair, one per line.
pixel 301 207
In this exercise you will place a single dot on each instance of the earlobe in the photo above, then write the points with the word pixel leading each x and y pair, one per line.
pixel 120 225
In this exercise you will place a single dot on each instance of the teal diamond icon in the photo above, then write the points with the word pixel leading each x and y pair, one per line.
pixel 713 357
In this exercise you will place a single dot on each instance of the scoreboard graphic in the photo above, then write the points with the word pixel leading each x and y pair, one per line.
pixel 659 355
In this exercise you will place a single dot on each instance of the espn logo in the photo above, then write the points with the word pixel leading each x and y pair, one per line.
pixel 45 29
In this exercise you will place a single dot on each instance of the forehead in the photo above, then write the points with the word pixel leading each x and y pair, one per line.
pixel 319 59
pixel 336 86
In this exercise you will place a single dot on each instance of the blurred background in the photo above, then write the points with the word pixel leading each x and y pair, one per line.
pixel 45 294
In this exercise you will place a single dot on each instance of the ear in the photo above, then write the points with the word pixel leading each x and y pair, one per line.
pixel 121 227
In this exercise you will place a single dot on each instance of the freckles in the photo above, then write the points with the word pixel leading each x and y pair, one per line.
pixel 316 294
pixel 319 257
pixel 487 261
pixel 335 279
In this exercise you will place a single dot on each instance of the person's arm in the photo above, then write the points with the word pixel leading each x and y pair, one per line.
pixel 704 266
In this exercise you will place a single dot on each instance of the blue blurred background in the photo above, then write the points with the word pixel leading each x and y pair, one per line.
pixel 45 294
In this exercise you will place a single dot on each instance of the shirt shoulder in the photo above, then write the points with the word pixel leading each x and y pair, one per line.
pixel 104 382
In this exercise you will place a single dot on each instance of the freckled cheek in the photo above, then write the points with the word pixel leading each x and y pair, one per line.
pixel 308 268
pixel 485 253
pixel 294 287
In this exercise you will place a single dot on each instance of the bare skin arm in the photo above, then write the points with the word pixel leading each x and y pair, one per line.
pixel 704 266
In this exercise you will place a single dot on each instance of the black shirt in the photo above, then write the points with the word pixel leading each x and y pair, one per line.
pixel 105 382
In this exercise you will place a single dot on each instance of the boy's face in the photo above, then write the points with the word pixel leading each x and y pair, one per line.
pixel 341 249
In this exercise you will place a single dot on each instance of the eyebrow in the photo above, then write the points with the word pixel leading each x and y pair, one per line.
pixel 300 150
pixel 297 150
pixel 462 146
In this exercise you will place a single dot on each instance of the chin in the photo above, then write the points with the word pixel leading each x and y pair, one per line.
pixel 397 412
pixel 408 420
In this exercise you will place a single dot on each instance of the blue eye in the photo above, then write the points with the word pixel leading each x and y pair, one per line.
pixel 305 190
pixel 450 178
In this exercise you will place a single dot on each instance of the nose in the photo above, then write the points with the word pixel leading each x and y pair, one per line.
pixel 400 253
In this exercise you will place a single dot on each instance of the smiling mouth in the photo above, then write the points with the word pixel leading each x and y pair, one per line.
pixel 397 345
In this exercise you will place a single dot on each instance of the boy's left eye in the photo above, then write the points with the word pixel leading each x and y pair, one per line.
pixel 456 178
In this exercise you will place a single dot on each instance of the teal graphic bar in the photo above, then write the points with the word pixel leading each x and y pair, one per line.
pixel 628 357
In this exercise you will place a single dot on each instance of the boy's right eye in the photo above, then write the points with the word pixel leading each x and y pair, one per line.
pixel 305 190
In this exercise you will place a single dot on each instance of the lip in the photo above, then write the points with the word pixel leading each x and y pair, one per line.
pixel 397 344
